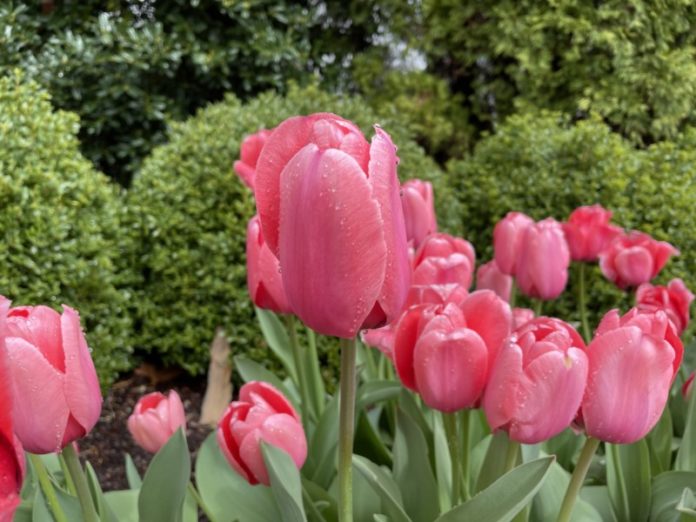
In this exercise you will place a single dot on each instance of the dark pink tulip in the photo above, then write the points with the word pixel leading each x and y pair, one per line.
pixel 507 240
pixel 444 259
pixel 589 232
pixel 634 259
pixel 264 281
pixel 520 316
pixel 674 299
pixel 542 267
pixel 155 419
pixel 262 413
pixel 489 277
pixel 537 382
pixel 633 361
pixel 245 167
pixel 330 206
pixel 419 210
pixel 54 384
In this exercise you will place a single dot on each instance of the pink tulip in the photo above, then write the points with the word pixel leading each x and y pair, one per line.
pixel 589 232
pixel 537 382
pixel 542 267
pixel 633 361
pixel 507 240
pixel 633 259
pixel 445 352
pixel 155 419
pixel 250 150
pixel 489 277
pixel 444 259
pixel 674 299
pixel 262 413
pixel 329 205
pixel 54 384
pixel 264 281
pixel 521 316
pixel 419 210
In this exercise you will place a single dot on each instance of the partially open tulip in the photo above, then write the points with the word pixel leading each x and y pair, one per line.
pixel 444 259
pixel 155 419
pixel 633 361
pixel 537 382
pixel 674 299
pixel 330 208
pixel 54 384
pixel 419 210
pixel 634 259
pixel 542 267
pixel 445 352
pixel 262 413
pixel 507 240
pixel 589 232
pixel 489 277
pixel 264 281
pixel 245 167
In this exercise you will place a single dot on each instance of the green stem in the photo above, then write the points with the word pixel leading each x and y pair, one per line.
pixel 299 367
pixel 513 294
pixel 199 500
pixel 47 488
pixel 591 445
pixel 513 450
pixel 583 305
pixel 310 506
pixel 346 431
pixel 315 368
pixel 450 422
pixel 89 513
pixel 66 473
pixel 538 303
pixel 465 416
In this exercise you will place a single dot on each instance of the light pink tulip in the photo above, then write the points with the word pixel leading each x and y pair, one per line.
pixel 633 361
pixel 634 259
pixel 674 299
pixel 537 382
pixel 520 316
pixel 542 267
pixel 419 210
pixel 589 232
pixel 262 413
pixel 245 167
pixel 329 205
pixel 54 384
pixel 155 419
pixel 507 240
pixel 264 281
pixel 444 259
pixel 489 277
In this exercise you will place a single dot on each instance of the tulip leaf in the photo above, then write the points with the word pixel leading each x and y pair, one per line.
pixel 493 465
pixel 443 464
pixel 564 446
pixel 506 497
pixel 315 381
pixel 597 497
pixel 323 502
pixel 383 484
pixel 124 504
pixel 103 509
pixel 286 485
pixel 686 455
pixel 660 444
pixel 377 391
pixel 132 475
pixel 278 341
pixel 667 489
pixel 321 464
pixel 225 493
pixel 687 505
pixel 252 371
pixel 368 443
pixel 163 491
pixel 70 506
pixel 628 479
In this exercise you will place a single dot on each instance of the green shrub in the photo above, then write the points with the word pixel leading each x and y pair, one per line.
pixel 192 211
pixel 61 223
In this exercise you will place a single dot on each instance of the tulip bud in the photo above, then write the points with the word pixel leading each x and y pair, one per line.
pixel 444 259
pixel 250 150
pixel 507 240
pixel 419 210
pixel 542 268
pixel 589 232
pixel 155 419
pixel 673 299
pixel 264 281
pixel 54 384
pixel 489 277
pixel 262 413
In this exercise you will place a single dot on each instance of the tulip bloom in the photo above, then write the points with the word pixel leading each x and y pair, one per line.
pixel 633 361
pixel 445 352
pixel 507 240
pixel 264 281
pixel 542 267
pixel 674 299
pixel 444 259
pixel 245 167
pixel 537 382
pixel 634 259
pixel 489 277
pixel 589 232
pixel 155 419
pixel 330 207
pixel 521 316
pixel 419 210
pixel 262 413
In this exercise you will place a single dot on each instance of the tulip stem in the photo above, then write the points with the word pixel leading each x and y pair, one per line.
pixel 315 368
pixel 66 473
pixel 465 416
pixel 450 423
pixel 47 488
pixel 583 305
pixel 89 513
pixel 513 450
pixel 346 431
pixel 538 303
pixel 513 293
pixel 299 367
pixel 588 451
pixel 199 500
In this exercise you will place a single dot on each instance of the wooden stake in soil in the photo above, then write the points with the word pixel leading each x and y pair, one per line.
pixel 218 392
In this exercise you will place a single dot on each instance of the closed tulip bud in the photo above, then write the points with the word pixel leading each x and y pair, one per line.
pixel 445 352
pixel 521 316
pixel 54 384
pixel 634 259
pixel 444 259
pixel 264 281
pixel 537 382
pixel 419 210
pixel 507 240
pixel 673 299
pixel 155 419
pixel 489 277
pixel 245 167
pixel 262 413
pixel 542 268
pixel 633 360
pixel 330 207
pixel 589 232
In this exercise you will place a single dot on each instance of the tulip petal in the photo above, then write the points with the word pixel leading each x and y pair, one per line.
pixel 500 398
pixel 41 327
pixel 490 317
pixel 259 392
pixel 404 345
pixel 230 449
pixel 286 433
pixel 635 264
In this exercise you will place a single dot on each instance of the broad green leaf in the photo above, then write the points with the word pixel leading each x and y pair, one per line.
pixel 597 497
pixel 322 449
pixel 253 371
pixel 124 504
pixel 322 500
pixel 377 391
pixel 687 506
pixel 69 505
pixel 686 455
pixel 366 500
pixel 286 485
pixel 564 446
pixel 103 510
pixel 493 465
pixel 277 338
pixel 368 443
pixel 667 490
pixel 628 479
pixel 407 402
pixel 383 484
pixel 132 475
pixel 660 444
pixel 443 464
pixel 315 381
